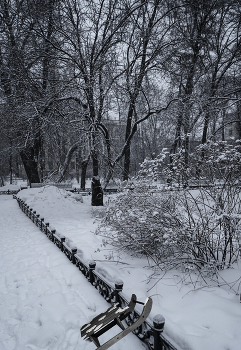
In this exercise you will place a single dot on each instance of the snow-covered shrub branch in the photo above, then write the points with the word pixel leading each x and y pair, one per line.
pixel 217 163
pixel 195 229
pixel 140 221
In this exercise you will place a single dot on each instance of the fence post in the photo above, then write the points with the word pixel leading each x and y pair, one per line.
pixel 118 288
pixel 158 326
pixel 74 251
pixel 34 216
pixel 46 230
pixel 41 223
pixel 62 239
pixel 30 213
pixel 92 265
pixel 51 236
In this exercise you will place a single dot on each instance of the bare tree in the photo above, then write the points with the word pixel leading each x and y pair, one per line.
pixel 25 75
pixel 88 34
pixel 15 80
pixel 223 53
pixel 209 44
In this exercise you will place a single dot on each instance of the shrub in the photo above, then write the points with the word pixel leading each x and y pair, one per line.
pixel 196 230
pixel 140 221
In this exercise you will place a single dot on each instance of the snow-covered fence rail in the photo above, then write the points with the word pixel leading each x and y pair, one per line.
pixel 12 192
pixel 150 333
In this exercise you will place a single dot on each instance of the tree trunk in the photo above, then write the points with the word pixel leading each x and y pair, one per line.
pixel 11 168
pixel 30 165
pixel 239 118
pixel 205 128
pixel 127 162
pixel 11 162
pixel 77 165
pixel 95 163
pixel 127 158
pixel 178 133
pixel 186 148
pixel 84 165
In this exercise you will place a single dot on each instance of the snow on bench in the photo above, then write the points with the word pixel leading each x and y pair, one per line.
pixel 67 187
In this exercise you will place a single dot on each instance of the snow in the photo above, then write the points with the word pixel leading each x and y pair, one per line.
pixel 45 299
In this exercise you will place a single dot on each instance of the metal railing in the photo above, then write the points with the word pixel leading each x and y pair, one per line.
pixel 149 332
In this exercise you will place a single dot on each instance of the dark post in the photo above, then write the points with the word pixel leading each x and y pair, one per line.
pixel 118 288
pixel 92 265
pixel 97 192
pixel 41 223
pixel 73 252
pixel 34 215
pixel 158 326
pixel 51 236
pixel 62 240
pixel 46 228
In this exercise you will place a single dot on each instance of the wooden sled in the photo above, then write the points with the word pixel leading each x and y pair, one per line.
pixel 111 317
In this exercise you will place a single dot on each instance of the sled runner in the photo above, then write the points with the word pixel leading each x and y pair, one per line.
pixel 111 317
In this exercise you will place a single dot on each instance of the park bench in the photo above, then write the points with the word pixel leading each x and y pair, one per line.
pixel 67 187
pixel 9 192
pixel 36 185
pixel 83 192
pixel 111 317
pixel 111 190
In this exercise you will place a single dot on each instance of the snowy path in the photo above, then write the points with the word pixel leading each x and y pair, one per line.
pixel 44 299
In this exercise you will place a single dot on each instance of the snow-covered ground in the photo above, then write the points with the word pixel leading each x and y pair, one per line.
pixel 207 318
pixel 44 299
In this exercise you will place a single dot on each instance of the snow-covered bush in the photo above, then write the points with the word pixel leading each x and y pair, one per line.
pixel 217 163
pixel 155 169
pixel 210 163
pixel 140 221
pixel 194 229
pixel 215 229
pixel 216 210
